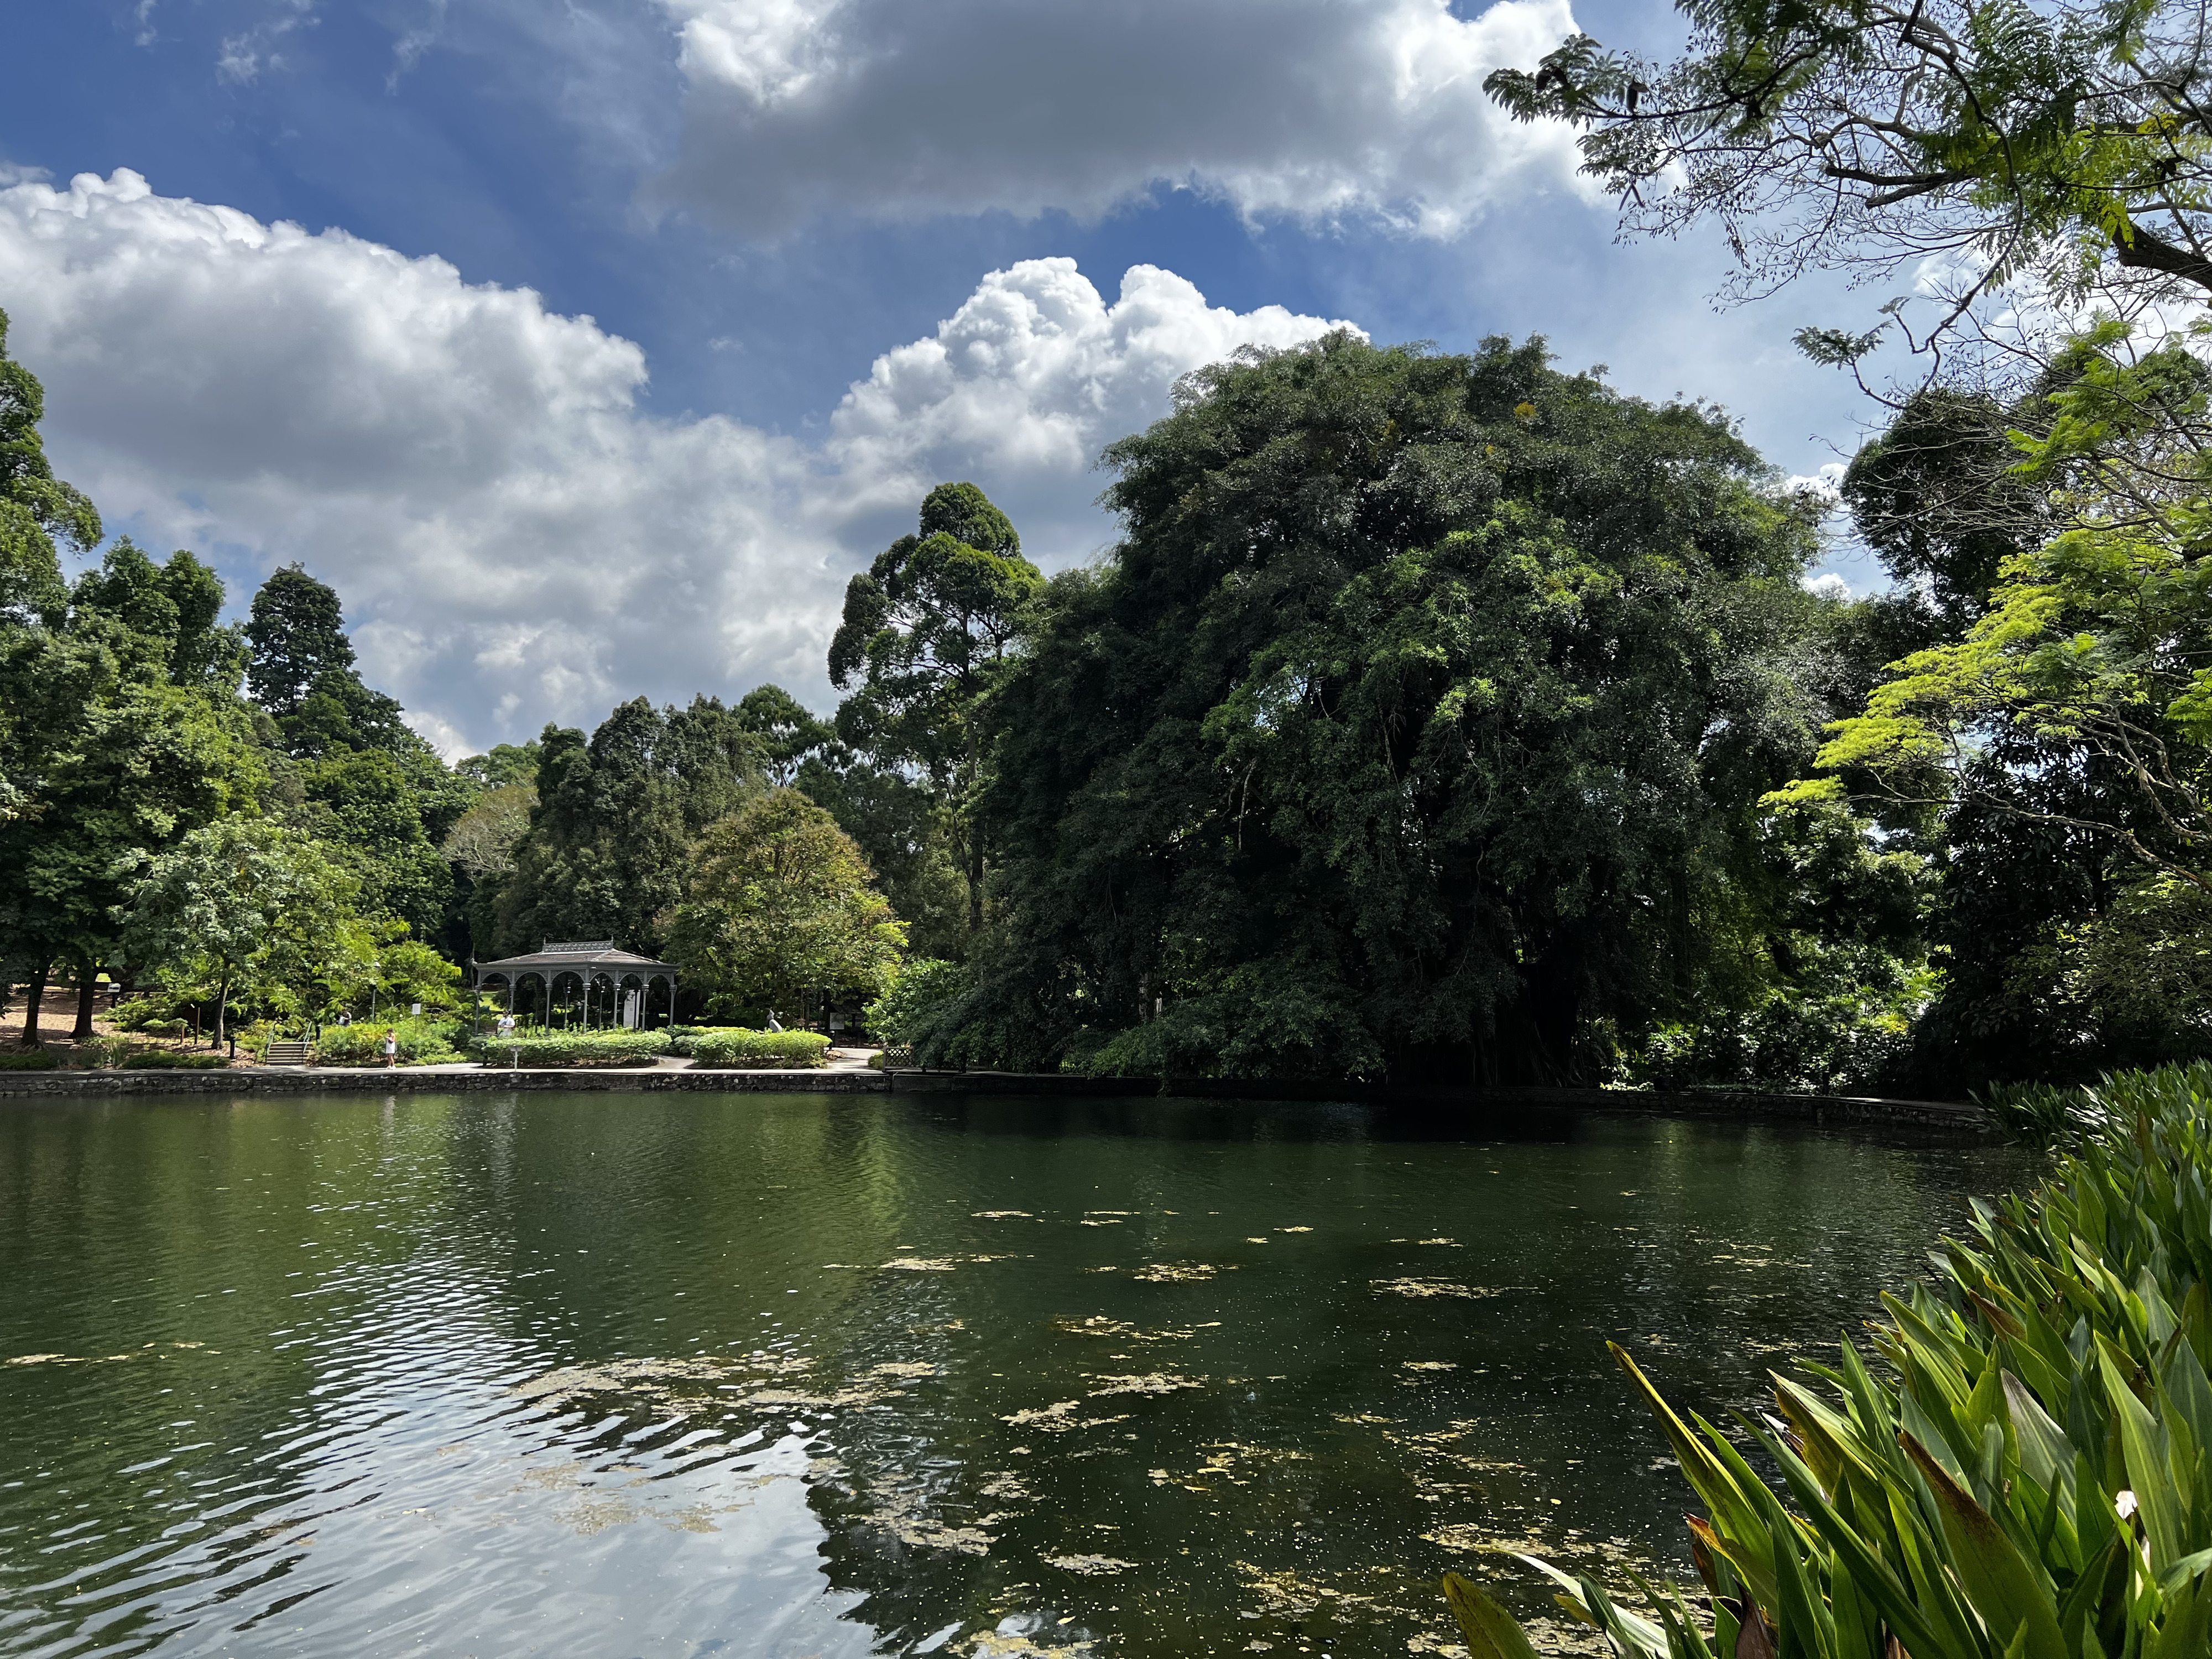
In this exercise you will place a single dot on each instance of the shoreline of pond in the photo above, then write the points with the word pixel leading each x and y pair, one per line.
pixel 1951 1116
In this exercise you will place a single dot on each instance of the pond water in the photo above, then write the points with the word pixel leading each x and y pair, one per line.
pixel 806 1374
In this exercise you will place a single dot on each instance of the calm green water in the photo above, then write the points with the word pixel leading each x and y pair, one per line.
pixel 815 1375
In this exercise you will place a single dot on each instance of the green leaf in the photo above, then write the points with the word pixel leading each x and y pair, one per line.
pixel 2014 1600
pixel 2142 1441
pixel 1490 1631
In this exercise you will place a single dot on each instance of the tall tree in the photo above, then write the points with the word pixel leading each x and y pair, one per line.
pixel 2065 738
pixel 781 903
pixel 122 732
pixel 1415 725
pixel 605 853
pixel 367 782
pixel 297 627
pixel 503 765
pixel 37 510
pixel 242 908
pixel 927 634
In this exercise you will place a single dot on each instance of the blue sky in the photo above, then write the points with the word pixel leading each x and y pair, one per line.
pixel 759 205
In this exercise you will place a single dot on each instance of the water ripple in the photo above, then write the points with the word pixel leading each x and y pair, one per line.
pixel 793 1375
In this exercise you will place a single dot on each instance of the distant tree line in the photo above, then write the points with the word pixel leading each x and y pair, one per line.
pixel 1443 718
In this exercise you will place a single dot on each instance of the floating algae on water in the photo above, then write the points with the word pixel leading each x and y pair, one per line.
pixel 655 1380
pixel 1420 1286
pixel 1179 1272
pixel 930 1264
pixel 1121 1330
pixel 1090 1566
pixel 1154 1382
pixel 1096 1325
pixel 699 1382
pixel 150 1351
pixel 1058 1418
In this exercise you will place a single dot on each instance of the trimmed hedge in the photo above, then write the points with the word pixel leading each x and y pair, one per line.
pixel 29 1059
pixel 422 1042
pixel 168 1059
pixel 770 1051
pixel 2026 1476
pixel 574 1048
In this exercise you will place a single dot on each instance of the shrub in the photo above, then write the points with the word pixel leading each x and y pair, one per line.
pixel 29 1059
pixel 134 1013
pixel 422 1042
pixel 102 1052
pixel 920 988
pixel 169 1060
pixel 775 1051
pixel 2037 1115
pixel 680 1038
pixel 616 1047
pixel 2024 1475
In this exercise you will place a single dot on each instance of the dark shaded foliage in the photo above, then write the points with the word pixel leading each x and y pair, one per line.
pixel 1416 727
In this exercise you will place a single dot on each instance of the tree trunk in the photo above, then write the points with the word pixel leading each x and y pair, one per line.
pixel 975 882
pixel 31 1010
pixel 221 1006
pixel 975 835
pixel 82 1030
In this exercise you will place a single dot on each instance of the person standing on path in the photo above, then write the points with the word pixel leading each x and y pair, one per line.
pixel 391 1048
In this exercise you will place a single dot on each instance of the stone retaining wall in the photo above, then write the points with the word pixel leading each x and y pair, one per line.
pixel 321 1080
pixel 1951 1116
pixel 1932 1114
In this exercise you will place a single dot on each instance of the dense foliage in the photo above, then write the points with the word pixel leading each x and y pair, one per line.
pixel 2039 494
pixel 736 1047
pixel 928 634
pixel 781 902
pixel 1416 727
pixel 607 842
pixel 227 811
pixel 2026 1473
pixel 1441 719
pixel 571 1047
pixel 1973 143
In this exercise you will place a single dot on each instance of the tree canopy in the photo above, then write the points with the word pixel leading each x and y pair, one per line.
pixel 37 511
pixel 1416 725
pixel 781 903
pixel 1973 141
pixel 606 852
pixel 243 906
pixel 926 636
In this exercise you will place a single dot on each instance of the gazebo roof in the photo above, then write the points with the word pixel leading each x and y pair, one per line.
pixel 574 956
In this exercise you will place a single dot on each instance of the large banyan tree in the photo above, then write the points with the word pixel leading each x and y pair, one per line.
pixel 1416 727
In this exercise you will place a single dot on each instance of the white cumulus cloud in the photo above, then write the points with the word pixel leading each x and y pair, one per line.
pixel 1314 110
pixel 1029 379
pixel 515 538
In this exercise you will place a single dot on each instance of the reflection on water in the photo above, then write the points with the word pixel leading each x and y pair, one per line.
pixel 824 1376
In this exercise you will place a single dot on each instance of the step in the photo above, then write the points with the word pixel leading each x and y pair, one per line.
pixel 285 1054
